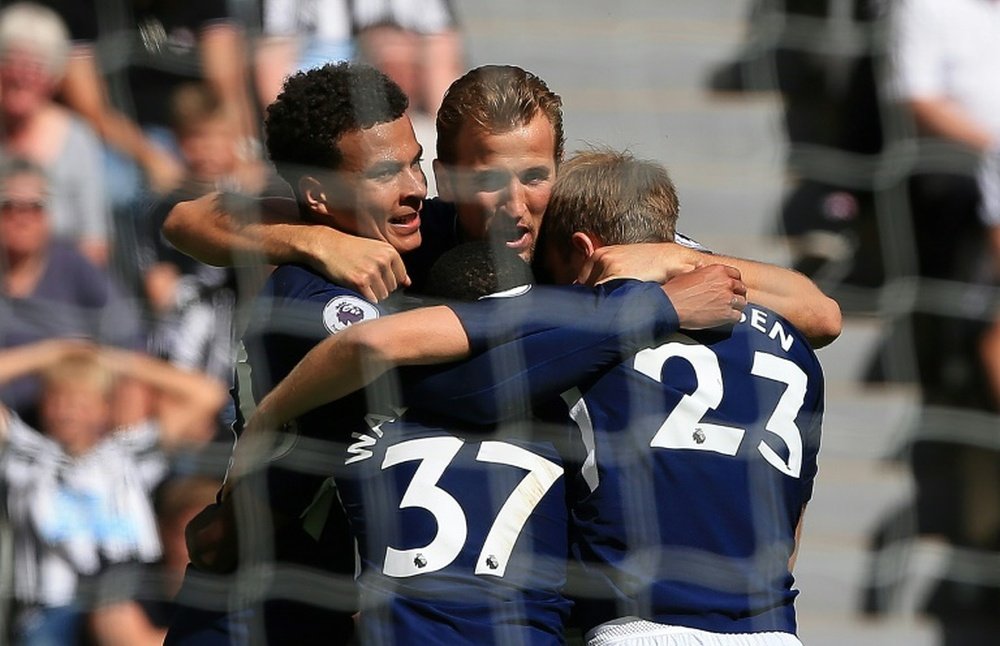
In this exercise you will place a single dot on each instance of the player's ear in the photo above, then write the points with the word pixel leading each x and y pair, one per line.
pixel 444 179
pixel 585 244
pixel 313 194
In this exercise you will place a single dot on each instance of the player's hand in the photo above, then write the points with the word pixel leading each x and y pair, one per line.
pixel 708 297
pixel 657 262
pixel 211 538
pixel 372 268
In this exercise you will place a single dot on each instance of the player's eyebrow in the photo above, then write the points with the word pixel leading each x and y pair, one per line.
pixel 390 166
pixel 540 171
pixel 386 167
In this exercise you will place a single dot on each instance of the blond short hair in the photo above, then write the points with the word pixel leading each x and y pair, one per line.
pixel 85 370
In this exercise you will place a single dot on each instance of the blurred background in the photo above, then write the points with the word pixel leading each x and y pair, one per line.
pixel 853 140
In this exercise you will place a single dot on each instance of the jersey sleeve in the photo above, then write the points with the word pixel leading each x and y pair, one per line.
pixel 532 347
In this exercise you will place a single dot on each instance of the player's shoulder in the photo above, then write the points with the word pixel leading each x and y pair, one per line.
pixel 298 282
pixel 769 331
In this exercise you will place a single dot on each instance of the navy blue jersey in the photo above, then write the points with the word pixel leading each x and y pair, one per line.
pixel 297 309
pixel 704 454
pixel 701 453
pixel 541 341
pixel 462 527
pixel 461 532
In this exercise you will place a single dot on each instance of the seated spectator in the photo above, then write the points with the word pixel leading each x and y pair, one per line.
pixel 77 494
pixel 34 46
pixel 47 288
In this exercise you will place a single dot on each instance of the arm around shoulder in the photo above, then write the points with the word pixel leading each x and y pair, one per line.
pixel 792 295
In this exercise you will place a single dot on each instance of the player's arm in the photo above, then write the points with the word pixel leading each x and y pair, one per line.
pixel 786 291
pixel 124 624
pixel 357 356
pixel 206 230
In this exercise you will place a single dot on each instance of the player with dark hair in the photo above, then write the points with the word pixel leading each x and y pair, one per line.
pixel 701 451
pixel 340 137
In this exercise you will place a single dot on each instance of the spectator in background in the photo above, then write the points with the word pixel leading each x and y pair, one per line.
pixel 177 501
pixel 85 91
pixel 415 42
pixel 833 123
pixel 191 302
pixel 47 288
pixel 944 56
pixel 297 35
pixel 129 58
pixel 34 47
pixel 77 494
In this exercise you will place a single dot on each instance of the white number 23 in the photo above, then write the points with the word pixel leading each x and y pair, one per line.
pixel 684 429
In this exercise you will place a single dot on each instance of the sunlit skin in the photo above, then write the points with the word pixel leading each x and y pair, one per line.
pixel 501 182
pixel 379 188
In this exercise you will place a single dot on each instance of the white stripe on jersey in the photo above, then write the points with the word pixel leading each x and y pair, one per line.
pixel 690 243
pixel 579 413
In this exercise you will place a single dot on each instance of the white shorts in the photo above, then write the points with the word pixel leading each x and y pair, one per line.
pixel 630 631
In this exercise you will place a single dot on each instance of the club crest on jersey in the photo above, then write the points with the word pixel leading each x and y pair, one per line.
pixel 341 312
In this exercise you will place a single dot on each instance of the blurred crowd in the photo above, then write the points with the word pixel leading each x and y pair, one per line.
pixel 116 350
pixel 892 112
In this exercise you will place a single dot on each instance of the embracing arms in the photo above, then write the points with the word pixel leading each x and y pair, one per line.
pixel 785 291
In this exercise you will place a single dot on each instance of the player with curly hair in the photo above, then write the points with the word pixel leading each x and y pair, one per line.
pixel 340 137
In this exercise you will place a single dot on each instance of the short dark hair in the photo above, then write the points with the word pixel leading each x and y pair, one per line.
pixel 476 269
pixel 318 106
pixel 495 99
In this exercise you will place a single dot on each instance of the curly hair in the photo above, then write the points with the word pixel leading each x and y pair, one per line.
pixel 495 99
pixel 316 107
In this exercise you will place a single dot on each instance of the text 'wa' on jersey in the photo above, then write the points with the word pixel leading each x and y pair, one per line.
pixel 462 523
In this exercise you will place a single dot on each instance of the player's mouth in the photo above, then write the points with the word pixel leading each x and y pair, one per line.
pixel 518 238
pixel 512 235
pixel 405 224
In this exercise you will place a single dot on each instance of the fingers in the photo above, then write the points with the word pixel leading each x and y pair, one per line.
pixel 399 271
pixel 708 297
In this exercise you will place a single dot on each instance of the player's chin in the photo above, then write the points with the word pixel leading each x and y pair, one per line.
pixel 405 242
